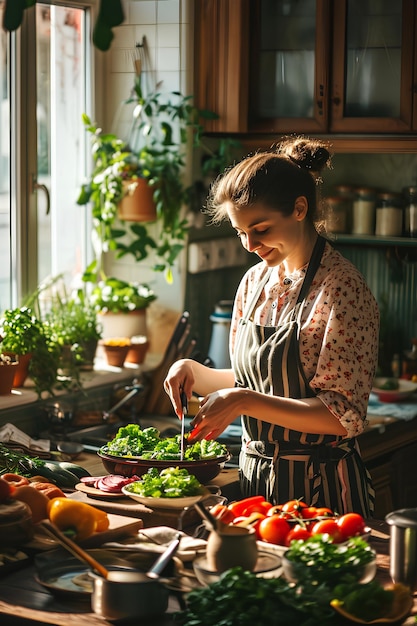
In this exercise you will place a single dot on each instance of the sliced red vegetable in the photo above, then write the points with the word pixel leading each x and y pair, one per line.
pixel 113 483
pixel 89 480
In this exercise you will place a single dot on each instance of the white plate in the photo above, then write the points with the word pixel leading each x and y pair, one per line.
pixel 405 389
pixel 166 503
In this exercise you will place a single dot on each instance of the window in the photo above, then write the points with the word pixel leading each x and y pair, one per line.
pixel 45 87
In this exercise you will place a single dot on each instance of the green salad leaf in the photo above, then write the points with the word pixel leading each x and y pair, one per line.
pixel 132 441
pixel 171 482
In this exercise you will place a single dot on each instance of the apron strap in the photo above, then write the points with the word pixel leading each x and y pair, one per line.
pixel 312 268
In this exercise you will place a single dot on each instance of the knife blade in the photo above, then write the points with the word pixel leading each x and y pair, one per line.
pixel 184 405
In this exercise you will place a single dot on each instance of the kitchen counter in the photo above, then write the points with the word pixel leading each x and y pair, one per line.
pixel 37 606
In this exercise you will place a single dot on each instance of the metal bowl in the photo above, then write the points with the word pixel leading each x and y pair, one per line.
pixel 72 449
pixel 203 470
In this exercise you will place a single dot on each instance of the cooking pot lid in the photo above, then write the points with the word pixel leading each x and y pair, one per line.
pixel 404 518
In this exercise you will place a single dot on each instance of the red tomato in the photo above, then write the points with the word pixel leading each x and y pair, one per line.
pixel 351 524
pixel 293 506
pixel 324 512
pixel 275 508
pixel 298 532
pixel 221 512
pixel 308 512
pixel 328 527
pixel 274 529
pixel 253 521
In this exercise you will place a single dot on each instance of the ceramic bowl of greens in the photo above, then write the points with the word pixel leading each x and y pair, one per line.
pixel 133 452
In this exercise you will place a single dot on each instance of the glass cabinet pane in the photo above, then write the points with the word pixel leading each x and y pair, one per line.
pixel 286 59
pixel 373 58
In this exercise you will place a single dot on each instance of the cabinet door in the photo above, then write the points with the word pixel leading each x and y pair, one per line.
pixel 372 79
pixel 289 73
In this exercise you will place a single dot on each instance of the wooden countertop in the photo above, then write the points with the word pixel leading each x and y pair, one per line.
pixel 36 605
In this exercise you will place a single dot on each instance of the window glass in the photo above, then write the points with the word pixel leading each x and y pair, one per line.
pixel 5 239
pixel 61 100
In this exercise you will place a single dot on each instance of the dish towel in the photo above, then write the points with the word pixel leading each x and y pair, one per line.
pixel 401 410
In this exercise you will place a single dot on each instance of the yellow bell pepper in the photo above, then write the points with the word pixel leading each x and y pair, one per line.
pixel 76 519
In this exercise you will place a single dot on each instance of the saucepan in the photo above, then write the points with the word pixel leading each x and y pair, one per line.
pixel 121 594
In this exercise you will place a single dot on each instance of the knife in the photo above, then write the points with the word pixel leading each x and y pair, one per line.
pixel 184 404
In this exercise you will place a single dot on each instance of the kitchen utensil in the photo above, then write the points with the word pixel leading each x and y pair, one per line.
pixel 212 522
pixel 170 503
pixel 73 547
pixel 405 389
pixel 268 565
pixel 184 405
pixel 231 546
pixel 72 449
pixel 120 596
pixel 203 469
pixel 403 546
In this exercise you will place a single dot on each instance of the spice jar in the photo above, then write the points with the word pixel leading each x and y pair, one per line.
pixel 364 211
pixel 335 214
pixel 347 192
pixel 410 211
pixel 389 215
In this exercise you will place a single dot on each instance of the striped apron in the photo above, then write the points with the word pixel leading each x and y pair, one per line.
pixel 283 464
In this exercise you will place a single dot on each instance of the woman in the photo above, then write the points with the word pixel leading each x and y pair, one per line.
pixel 303 341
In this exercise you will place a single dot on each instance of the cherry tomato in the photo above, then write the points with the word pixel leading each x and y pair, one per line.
pixel 274 529
pixel 324 512
pixel 298 532
pixel 351 524
pixel 275 508
pixel 308 512
pixel 221 512
pixel 328 527
pixel 293 506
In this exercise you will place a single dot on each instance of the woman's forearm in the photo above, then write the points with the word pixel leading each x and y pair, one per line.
pixel 307 415
pixel 208 379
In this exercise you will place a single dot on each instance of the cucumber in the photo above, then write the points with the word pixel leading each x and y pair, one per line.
pixel 75 469
pixel 62 477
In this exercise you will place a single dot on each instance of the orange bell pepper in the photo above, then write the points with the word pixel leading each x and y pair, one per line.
pixel 76 519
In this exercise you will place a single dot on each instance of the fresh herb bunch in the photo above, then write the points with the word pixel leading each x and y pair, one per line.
pixel 131 440
pixel 318 559
pixel 171 482
pixel 240 598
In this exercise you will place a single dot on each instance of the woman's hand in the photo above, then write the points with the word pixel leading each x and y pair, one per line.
pixel 180 377
pixel 217 411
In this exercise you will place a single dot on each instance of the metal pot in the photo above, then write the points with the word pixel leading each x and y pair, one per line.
pixel 403 546
pixel 124 594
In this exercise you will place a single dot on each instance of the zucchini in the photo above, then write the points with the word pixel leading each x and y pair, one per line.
pixel 62 477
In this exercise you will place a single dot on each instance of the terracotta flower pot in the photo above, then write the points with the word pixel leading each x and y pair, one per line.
pixel 7 373
pixel 116 351
pixel 138 349
pixel 138 204
pixel 21 369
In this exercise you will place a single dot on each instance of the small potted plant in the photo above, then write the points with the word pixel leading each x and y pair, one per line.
pixel 23 334
pixel 121 306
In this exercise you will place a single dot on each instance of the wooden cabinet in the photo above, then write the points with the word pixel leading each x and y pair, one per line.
pixel 390 454
pixel 317 66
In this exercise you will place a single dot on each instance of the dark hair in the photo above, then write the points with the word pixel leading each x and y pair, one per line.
pixel 274 178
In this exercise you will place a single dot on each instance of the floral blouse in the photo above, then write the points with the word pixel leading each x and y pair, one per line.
pixel 339 334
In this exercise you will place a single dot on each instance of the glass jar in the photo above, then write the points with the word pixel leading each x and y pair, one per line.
pixel 410 211
pixel 364 206
pixel 347 192
pixel 389 215
pixel 335 214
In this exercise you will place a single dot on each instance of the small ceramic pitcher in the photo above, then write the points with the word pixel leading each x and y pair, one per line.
pixel 232 546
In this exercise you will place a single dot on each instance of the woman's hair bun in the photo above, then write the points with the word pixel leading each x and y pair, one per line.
pixel 306 153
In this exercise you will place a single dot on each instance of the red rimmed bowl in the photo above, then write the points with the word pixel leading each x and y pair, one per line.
pixel 204 469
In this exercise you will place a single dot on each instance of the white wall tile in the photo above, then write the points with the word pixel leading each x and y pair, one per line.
pixel 143 11
pixel 168 59
pixel 124 36
pixel 168 11
pixel 168 35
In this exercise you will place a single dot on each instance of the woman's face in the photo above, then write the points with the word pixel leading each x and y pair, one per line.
pixel 271 235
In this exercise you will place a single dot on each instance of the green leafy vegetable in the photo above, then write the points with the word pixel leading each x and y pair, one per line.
pixel 131 441
pixel 317 558
pixel 367 602
pixel 171 482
